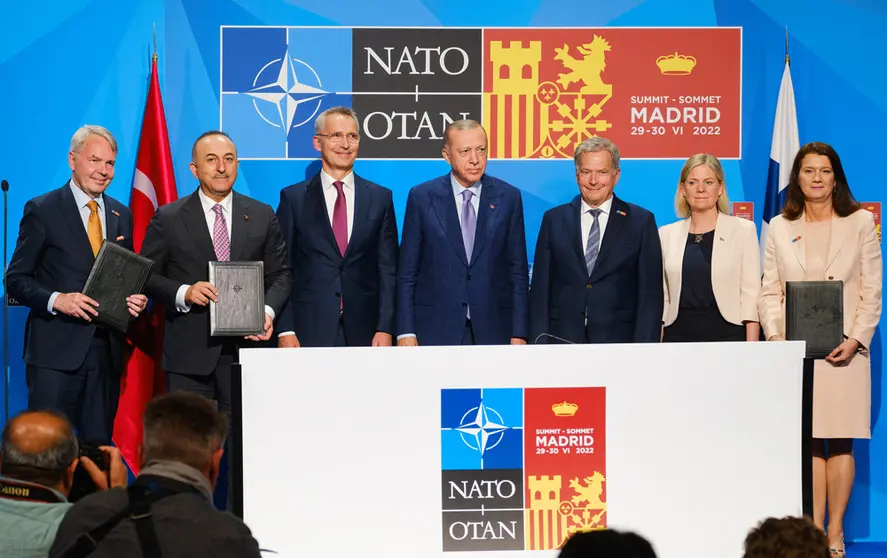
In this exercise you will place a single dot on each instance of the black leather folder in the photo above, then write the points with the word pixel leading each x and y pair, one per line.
pixel 116 274
pixel 814 312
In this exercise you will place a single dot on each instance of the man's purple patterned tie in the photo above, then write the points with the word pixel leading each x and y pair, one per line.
pixel 340 225
pixel 221 242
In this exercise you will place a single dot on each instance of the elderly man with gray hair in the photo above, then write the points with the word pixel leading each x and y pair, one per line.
pixel 38 456
pixel 597 272
pixel 72 364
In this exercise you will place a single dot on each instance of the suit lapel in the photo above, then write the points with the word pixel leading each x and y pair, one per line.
pixel 195 222
pixel 319 215
pixel 444 204
pixel 574 230
pixel 615 223
pixel 112 220
pixel 240 225
pixel 840 228
pixel 487 217
pixel 797 240
pixel 722 243
pixel 361 208
pixel 71 214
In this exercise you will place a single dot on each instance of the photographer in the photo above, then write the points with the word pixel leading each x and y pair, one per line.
pixel 167 511
pixel 39 454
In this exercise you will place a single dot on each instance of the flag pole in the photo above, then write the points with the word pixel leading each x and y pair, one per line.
pixel 787 58
pixel 154 56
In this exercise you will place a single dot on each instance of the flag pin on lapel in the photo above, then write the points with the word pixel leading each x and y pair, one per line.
pixel 115 213
pixel 620 212
pixel 492 206
pixel 795 239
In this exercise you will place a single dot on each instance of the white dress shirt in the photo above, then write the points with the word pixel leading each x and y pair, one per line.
pixel 475 201
pixel 330 194
pixel 602 219
pixel 207 204
pixel 82 199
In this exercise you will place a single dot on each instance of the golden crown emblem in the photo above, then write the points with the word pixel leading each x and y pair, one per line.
pixel 676 64
pixel 564 409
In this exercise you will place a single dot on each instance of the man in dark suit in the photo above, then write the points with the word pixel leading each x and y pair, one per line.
pixel 341 235
pixel 73 365
pixel 463 272
pixel 597 272
pixel 212 224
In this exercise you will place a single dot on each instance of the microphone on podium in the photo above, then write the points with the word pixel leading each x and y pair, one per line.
pixel 541 335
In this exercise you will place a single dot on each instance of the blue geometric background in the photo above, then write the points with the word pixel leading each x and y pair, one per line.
pixel 65 63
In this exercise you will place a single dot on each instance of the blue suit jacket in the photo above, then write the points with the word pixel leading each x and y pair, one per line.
pixel 436 282
pixel 52 253
pixel 366 276
pixel 623 296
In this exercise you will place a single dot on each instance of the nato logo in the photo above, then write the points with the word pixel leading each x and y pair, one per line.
pixel 481 429
pixel 275 81
pixel 482 485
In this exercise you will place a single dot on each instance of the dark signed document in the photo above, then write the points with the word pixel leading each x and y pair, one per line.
pixel 240 309
pixel 116 274
pixel 814 312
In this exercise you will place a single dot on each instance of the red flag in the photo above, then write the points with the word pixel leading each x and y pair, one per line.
pixel 153 185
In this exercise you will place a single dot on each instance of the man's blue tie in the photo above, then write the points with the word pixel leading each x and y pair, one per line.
pixel 594 241
pixel 469 222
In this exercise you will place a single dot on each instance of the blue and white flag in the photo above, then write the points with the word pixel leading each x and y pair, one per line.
pixel 783 149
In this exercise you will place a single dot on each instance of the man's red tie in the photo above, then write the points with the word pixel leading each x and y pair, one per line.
pixel 340 223
pixel 340 218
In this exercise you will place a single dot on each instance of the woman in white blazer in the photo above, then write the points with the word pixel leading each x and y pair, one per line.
pixel 711 262
pixel 823 235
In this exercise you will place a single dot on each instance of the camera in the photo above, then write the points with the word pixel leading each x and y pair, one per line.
pixel 83 484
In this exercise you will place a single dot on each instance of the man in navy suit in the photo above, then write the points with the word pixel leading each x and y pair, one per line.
pixel 341 235
pixel 73 365
pixel 463 272
pixel 597 272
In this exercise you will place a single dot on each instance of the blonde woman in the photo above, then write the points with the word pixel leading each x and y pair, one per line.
pixel 823 235
pixel 711 262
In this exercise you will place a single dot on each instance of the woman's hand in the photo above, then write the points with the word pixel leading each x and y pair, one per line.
pixel 843 353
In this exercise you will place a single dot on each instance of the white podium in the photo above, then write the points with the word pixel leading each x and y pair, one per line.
pixel 501 452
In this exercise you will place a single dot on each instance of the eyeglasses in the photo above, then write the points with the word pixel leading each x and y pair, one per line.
pixel 337 137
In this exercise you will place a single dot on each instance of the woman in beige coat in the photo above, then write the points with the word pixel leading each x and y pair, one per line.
pixel 711 261
pixel 823 235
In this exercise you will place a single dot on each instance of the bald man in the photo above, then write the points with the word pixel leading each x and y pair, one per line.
pixel 38 456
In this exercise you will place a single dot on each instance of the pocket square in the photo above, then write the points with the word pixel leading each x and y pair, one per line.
pixel 119 238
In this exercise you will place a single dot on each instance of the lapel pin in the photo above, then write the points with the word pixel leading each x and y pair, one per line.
pixel 620 212
pixel 246 217
pixel 492 206
pixel 115 213
pixel 721 238
pixel 795 239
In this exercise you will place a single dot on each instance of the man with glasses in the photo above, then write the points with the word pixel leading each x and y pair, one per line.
pixel 462 278
pixel 341 235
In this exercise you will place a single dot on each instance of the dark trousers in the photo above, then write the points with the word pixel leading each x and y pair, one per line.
pixel 215 386
pixel 468 334
pixel 340 334
pixel 88 396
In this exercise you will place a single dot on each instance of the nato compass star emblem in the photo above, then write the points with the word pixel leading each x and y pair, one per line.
pixel 283 89
pixel 482 428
